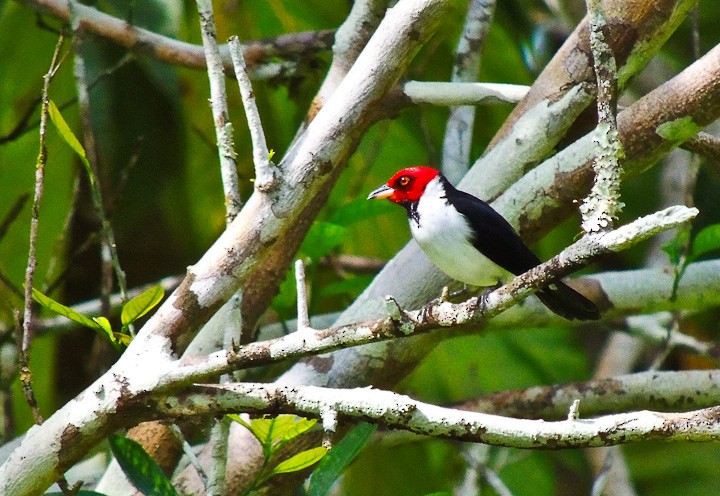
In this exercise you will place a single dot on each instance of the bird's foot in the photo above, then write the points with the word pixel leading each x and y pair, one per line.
pixel 481 303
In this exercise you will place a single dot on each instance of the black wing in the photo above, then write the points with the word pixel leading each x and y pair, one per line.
pixel 494 236
pixel 496 239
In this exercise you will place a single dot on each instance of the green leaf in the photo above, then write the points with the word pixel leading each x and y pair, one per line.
pixel 338 459
pixel 141 304
pixel 122 339
pixel 105 327
pixel 297 428
pixel 678 130
pixel 140 468
pixel 676 246
pixel 706 241
pixel 68 312
pixel 300 461
pixel 66 133
pixel 273 432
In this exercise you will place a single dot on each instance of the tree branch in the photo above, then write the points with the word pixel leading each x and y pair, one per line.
pixel 401 412
pixel 664 391
pixel 178 52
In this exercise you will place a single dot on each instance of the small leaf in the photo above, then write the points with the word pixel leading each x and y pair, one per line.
pixel 300 461
pixel 676 246
pixel 297 428
pixel 140 468
pixel 68 312
pixel 339 458
pixel 122 339
pixel 707 240
pixel 678 130
pixel 65 132
pixel 271 154
pixel 105 326
pixel 141 304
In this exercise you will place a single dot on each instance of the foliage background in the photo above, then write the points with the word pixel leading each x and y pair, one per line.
pixel 154 127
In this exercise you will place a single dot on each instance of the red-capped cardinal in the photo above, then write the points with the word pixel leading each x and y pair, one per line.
pixel 469 241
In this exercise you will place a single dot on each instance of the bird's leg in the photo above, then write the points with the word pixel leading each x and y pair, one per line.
pixel 481 302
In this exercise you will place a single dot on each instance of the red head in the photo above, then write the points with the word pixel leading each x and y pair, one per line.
pixel 406 186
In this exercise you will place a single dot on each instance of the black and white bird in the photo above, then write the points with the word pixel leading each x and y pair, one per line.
pixel 469 241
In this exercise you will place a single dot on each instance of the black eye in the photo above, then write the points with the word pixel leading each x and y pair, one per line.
pixel 404 181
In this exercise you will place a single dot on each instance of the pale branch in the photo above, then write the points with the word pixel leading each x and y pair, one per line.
pixel 659 390
pixel 402 412
pixel 530 141
pixel 215 484
pixel 436 314
pixel 462 93
pixel 189 453
pixel 602 206
pixel 458 131
pixel 218 103
pixel 264 168
pixel 175 52
pixel 303 316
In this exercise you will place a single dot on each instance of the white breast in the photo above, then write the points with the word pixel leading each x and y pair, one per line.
pixel 443 233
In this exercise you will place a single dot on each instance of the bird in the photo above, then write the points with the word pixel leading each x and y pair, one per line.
pixel 469 240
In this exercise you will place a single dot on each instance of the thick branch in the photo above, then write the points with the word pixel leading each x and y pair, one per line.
pixel 401 412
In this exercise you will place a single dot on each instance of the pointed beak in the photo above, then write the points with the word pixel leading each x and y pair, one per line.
pixel 383 191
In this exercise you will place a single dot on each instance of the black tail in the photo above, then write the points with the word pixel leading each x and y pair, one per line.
pixel 568 303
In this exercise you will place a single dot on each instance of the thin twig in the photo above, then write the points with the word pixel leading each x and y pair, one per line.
pixel 264 168
pixel 175 52
pixel 26 335
pixel 187 449
pixel 303 316
pixel 218 103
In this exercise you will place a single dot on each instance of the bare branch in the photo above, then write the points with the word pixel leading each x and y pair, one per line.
pixel 401 412
pixel 218 102
pixel 659 390
pixel 186 54
pixel 264 168
pixel 458 93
